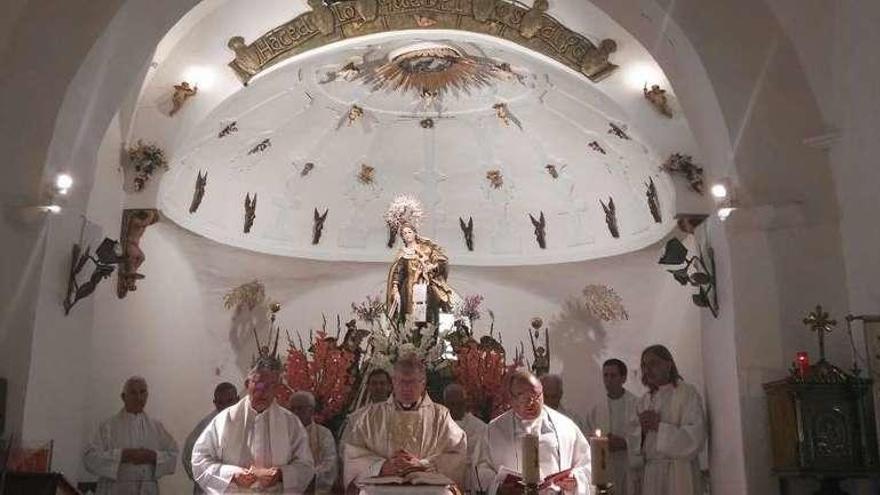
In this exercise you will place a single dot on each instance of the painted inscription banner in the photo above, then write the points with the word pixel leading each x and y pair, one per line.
pixel 530 27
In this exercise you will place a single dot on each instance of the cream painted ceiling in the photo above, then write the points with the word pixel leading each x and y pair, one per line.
pixel 554 115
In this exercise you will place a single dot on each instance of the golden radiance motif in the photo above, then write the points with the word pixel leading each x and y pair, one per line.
pixel 529 27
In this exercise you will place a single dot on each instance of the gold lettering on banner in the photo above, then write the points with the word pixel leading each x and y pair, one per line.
pixel 355 18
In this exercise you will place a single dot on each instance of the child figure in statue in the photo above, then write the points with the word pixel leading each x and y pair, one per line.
pixel 417 280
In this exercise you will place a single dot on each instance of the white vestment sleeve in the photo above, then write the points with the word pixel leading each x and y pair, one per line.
pixel 166 456
pixel 634 438
pixel 580 462
pixel 208 469
pixel 684 441
pixel 299 472
pixel 486 472
pixel 360 462
pixel 99 458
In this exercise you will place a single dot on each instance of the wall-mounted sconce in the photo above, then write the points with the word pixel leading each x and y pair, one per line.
pixel 722 191
pixel 697 271
pixel 104 260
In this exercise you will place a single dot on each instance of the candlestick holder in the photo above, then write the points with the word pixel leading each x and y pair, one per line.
pixel 605 489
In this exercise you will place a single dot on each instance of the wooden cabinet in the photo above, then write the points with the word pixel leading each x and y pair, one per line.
pixel 822 425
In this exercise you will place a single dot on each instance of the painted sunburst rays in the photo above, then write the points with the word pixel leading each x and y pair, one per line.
pixel 434 69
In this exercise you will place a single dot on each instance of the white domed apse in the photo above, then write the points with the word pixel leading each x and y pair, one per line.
pixel 474 127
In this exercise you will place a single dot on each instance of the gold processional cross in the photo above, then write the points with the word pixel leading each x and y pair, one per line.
pixel 819 322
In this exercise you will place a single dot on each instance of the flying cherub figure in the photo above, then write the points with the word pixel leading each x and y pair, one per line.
pixel 502 111
pixel 182 92
pixel 353 115
pixel 657 97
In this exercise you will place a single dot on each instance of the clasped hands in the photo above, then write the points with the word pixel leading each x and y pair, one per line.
pixel 138 456
pixel 649 420
pixel 402 463
pixel 261 477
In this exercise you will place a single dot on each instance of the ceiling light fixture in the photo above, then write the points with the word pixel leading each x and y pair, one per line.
pixel 199 76
pixel 719 191
pixel 63 183
pixel 644 75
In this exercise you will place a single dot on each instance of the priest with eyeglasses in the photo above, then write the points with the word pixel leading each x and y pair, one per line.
pixel 563 454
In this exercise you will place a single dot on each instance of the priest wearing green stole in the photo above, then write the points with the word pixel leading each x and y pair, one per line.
pixel 405 434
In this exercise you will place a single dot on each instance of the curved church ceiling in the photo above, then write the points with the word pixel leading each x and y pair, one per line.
pixel 506 138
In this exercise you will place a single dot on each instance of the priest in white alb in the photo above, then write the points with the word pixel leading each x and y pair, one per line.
pixel 255 445
pixel 561 445
pixel 321 442
pixel 130 451
pixel 405 434
pixel 455 399
pixel 671 427
pixel 611 415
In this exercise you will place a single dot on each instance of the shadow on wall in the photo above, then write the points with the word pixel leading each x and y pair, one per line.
pixel 243 324
pixel 577 336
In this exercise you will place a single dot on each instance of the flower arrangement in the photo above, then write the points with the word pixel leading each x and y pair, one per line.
pixel 470 309
pixel 604 303
pixel 325 371
pixel 146 159
pixel 481 368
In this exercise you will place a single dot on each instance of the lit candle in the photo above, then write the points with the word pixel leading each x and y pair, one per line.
pixel 530 467
pixel 601 455
pixel 802 361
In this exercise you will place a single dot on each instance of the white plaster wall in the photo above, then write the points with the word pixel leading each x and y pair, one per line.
pixel 174 330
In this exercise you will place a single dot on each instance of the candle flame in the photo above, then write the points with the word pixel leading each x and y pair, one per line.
pixel 598 432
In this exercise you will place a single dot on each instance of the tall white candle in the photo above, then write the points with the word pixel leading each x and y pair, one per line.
pixel 601 457
pixel 530 463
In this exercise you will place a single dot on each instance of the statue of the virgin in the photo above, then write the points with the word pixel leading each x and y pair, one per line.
pixel 416 286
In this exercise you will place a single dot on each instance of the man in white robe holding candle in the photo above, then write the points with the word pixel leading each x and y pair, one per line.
pixel 255 445
pixel 130 451
pixel 671 427
pixel 611 416
pixel 560 443
pixel 405 434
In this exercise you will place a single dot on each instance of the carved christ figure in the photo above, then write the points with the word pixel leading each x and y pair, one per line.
pixel 417 280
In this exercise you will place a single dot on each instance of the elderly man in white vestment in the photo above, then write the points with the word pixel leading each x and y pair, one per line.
pixel 455 399
pixel 670 426
pixel 611 415
pixel 553 398
pixel 407 433
pixel 225 395
pixel 130 451
pixel 255 445
pixel 561 445
pixel 321 442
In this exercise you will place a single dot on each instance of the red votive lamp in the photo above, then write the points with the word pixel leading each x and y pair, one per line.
pixel 802 362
